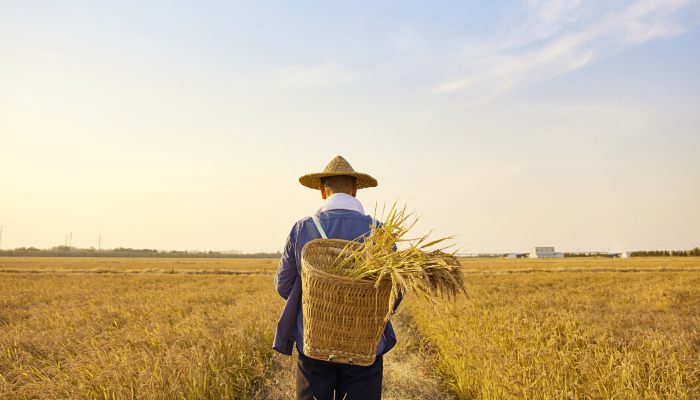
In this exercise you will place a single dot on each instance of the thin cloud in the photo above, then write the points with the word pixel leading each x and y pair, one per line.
pixel 558 37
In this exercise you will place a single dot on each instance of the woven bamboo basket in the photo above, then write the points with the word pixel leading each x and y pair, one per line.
pixel 343 318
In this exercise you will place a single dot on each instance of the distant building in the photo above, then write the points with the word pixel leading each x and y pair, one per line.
pixel 516 255
pixel 545 252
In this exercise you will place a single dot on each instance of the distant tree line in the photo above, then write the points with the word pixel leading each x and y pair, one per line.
pixel 640 253
pixel 588 254
pixel 68 251
pixel 667 253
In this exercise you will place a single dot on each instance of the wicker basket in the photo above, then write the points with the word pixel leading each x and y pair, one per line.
pixel 343 318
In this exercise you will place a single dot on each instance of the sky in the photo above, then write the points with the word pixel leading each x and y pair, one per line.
pixel 510 124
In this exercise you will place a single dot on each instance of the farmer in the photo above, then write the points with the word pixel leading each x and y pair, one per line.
pixel 340 217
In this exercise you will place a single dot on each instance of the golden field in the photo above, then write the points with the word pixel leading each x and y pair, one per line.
pixel 570 336
pixel 144 265
pixel 135 336
pixel 114 328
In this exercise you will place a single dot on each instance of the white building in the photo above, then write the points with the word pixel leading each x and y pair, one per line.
pixel 516 255
pixel 545 252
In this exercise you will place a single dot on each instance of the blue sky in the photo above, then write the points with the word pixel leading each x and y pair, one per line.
pixel 512 124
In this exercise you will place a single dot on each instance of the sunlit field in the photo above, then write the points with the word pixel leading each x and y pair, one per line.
pixel 146 265
pixel 576 264
pixel 135 336
pixel 560 336
pixel 85 328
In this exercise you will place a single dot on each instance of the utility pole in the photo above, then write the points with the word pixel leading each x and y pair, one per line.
pixel 0 236
pixel 70 240
pixel 99 242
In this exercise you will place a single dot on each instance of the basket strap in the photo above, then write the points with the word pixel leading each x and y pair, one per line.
pixel 317 222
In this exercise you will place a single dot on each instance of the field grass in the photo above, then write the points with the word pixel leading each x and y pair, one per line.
pixel 148 265
pixel 576 264
pixel 269 265
pixel 570 336
pixel 179 329
pixel 123 336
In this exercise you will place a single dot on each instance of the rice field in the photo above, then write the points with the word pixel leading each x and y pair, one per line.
pixel 570 336
pixel 80 328
pixel 137 265
pixel 122 336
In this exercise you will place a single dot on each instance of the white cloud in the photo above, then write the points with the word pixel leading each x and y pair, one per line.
pixel 559 36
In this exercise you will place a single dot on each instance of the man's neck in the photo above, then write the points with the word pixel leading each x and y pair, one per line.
pixel 342 201
pixel 340 193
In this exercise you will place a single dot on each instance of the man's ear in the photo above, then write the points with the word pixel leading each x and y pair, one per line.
pixel 323 192
pixel 354 190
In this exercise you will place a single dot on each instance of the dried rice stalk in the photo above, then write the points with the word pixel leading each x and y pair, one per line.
pixel 431 274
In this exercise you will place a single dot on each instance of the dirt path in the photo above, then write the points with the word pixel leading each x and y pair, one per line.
pixel 407 370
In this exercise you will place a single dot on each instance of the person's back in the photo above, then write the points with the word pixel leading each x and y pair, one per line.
pixel 341 217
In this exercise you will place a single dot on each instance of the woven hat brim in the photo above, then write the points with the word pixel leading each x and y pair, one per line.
pixel 313 181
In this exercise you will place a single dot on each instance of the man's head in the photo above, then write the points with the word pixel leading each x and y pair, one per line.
pixel 338 177
pixel 338 184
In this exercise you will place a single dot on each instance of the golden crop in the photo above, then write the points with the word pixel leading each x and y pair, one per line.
pixel 182 329
pixel 124 336
pixel 570 336
pixel 148 265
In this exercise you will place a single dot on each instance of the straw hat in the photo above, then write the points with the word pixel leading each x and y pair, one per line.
pixel 337 166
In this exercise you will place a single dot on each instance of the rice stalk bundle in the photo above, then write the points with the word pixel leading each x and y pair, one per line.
pixel 432 274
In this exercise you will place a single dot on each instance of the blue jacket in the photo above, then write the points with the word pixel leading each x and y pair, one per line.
pixel 338 224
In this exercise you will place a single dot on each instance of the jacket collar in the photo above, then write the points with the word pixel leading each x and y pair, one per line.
pixel 342 201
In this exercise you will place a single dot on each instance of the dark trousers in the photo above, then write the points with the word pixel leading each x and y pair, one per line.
pixel 317 380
